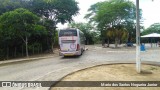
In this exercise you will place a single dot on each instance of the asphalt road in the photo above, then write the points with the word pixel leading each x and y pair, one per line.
pixel 52 69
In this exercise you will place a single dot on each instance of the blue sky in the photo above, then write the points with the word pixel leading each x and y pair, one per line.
pixel 151 11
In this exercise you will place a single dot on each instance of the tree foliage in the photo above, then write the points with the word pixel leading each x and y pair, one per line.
pixel 8 5
pixel 111 13
pixel 89 31
pixel 117 33
pixel 154 28
pixel 60 11
pixel 54 12
pixel 20 23
pixel 40 31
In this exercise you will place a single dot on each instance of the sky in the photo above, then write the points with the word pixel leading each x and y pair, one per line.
pixel 150 11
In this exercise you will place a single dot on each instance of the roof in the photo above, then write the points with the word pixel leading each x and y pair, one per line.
pixel 151 35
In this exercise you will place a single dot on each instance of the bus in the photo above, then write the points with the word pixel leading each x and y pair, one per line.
pixel 71 42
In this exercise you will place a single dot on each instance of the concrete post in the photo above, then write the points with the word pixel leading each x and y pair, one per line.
pixel 138 59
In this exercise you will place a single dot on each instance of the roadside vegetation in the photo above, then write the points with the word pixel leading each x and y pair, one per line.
pixel 28 27
pixel 115 19
pixel 90 32
pixel 154 28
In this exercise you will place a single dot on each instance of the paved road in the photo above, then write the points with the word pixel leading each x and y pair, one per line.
pixel 52 69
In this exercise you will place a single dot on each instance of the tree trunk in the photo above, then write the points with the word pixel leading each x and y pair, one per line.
pixel 88 42
pixel 48 43
pixel 7 52
pixel 52 46
pixel 26 42
pixel 108 42
pixel 103 42
pixel 15 52
pixel 53 40
pixel 119 41
pixel 33 50
pixel 38 49
pixel 116 42
pixel 102 38
pixel 41 49
pixel 22 50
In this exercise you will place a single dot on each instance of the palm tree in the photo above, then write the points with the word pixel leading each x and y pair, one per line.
pixel 118 33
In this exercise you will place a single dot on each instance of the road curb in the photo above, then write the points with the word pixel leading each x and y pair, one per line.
pixel 25 60
pixel 109 63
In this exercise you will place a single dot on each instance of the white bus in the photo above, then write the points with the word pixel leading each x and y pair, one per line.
pixel 71 42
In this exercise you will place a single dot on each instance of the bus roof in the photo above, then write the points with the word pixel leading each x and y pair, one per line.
pixel 69 29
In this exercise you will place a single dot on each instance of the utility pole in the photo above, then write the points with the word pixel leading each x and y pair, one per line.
pixel 138 59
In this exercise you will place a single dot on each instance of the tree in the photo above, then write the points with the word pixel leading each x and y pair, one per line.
pixel 20 23
pixel 109 14
pixel 43 32
pixel 89 31
pixel 115 12
pixel 118 33
pixel 8 5
pixel 54 12
pixel 92 12
pixel 131 28
pixel 154 28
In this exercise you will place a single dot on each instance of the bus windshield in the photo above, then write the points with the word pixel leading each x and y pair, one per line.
pixel 67 33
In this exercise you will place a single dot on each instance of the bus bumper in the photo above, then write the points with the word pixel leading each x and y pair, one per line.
pixel 70 53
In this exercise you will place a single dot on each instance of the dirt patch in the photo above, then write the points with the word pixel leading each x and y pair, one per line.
pixel 118 72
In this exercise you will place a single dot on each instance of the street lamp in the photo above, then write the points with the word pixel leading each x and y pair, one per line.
pixel 138 59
